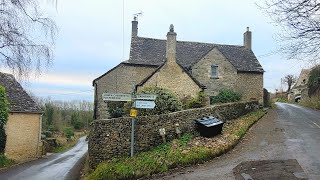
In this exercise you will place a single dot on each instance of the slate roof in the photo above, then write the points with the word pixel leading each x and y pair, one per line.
pixel 18 98
pixel 151 51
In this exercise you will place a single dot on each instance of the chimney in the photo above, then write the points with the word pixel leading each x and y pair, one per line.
pixel 171 45
pixel 247 39
pixel 134 32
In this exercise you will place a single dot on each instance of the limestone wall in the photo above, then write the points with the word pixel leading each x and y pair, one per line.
pixel 119 80
pixel 226 72
pixel 111 137
pixel 23 136
pixel 250 85
pixel 172 77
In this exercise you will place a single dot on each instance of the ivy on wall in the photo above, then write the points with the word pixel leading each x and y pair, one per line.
pixel 4 113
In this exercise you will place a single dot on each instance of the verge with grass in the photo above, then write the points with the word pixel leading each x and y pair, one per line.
pixel 186 151
pixel 65 147
pixel 5 162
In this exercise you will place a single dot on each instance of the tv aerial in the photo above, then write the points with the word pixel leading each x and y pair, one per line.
pixel 136 15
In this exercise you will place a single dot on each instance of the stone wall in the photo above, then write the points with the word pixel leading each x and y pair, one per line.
pixel 250 85
pixel 118 80
pixel 111 137
pixel 23 136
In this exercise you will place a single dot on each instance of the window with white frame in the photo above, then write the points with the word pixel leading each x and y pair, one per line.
pixel 214 71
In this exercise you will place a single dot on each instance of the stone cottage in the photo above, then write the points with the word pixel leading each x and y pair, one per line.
pixel 183 67
pixel 300 86
pixel 23 128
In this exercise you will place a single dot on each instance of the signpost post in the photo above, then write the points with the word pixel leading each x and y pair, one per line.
pixel 139 101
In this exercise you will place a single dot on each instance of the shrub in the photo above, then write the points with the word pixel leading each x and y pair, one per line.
pixel 68 132
pixel 314 80
pixel 197 102
pixel 4 113
pixel 116 109
pixel 225 95
pixel 166 101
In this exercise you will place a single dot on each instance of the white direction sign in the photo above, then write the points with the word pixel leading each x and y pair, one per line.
pixel 146 96
pixel 145 104
pixel 116 97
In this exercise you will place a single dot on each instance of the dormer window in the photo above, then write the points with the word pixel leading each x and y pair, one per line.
pixel 214 71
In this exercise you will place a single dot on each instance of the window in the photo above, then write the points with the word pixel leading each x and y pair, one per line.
pixel 214 71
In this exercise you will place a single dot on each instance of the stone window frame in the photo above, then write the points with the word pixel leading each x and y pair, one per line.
pixel 216 76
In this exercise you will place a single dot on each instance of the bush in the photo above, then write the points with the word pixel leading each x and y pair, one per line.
pixel 116 109
pixel 4 113
pixel 166 101
pixel 68 132
pixel 314 80
pixel 197 102
pixel 225 96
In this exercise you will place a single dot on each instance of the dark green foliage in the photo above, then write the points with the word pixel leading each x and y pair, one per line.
pixel 48 113
pixel 115 109
pixel 225 96
pixel 76 120
pixel 68 132
pixel 4 113
pixel 166 101
pixel 197 102
pixel 314 80
pixel 4 161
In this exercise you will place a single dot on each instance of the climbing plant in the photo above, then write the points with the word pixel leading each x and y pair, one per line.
pixel 4 112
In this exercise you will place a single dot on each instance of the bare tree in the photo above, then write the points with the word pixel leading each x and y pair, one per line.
pixel 300 20
pixel 26 36
pixel 289 80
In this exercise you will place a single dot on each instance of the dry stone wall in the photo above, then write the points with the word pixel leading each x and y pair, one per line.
pixel 111 137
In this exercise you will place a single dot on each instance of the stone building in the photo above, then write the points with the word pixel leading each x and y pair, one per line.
pixel 23 128
pixel 183 67
pixel 300 86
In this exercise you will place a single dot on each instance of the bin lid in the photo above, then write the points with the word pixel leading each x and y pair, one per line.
pixel 209 121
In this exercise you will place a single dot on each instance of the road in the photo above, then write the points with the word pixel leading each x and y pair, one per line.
pixel 284 144
pixel 56 167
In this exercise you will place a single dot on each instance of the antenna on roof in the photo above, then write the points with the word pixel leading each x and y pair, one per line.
pixel 136 15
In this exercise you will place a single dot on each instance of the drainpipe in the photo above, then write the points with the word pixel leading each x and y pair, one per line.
pixel 39 135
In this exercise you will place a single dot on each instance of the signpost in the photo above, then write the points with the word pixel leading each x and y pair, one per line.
pixel 145 104
pixel 140 101
pixel 146 96
pixel 116 97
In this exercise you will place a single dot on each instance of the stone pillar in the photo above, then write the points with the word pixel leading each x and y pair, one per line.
pixel 134 32
pixel 247 39
pixel 171 45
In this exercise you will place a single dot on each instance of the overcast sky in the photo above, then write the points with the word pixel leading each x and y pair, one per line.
pixel 94 36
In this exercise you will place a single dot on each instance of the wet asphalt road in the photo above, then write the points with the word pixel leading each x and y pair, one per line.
pixel 56 167
pixel 289 133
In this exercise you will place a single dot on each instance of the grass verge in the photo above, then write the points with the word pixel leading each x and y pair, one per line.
pixel 5 162
pixel 65 147
pixel 185 151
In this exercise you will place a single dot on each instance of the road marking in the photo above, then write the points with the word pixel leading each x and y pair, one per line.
pixel 316 124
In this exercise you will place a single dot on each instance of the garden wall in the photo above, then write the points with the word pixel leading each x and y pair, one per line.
pixel 111 137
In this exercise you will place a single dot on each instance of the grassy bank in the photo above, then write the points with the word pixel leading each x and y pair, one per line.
pixel 312 103
pixel 5 162
pixel 187 150
pixel 65 147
